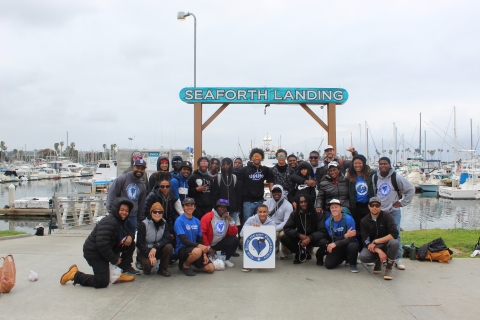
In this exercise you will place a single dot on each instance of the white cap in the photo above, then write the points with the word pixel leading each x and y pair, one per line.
pixel 328 147
pixel 335 201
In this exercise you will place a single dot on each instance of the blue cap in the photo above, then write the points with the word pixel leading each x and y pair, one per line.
pixel 140 163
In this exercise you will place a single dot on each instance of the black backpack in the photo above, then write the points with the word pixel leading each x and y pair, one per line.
pixel 393 179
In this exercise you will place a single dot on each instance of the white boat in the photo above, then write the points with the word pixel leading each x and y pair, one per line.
pixel 47 173
pixel 64 173
pixel 75 168
pixel 466 191
pixel 104 176
pixel 433 182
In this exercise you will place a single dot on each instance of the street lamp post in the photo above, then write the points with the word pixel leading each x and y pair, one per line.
pixel 181 16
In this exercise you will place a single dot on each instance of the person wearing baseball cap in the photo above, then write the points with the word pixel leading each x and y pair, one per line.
pixel 330 155
pixel 130 185
pixel 180 189
pixel 342 242
pixel 379 236
pixel 190 248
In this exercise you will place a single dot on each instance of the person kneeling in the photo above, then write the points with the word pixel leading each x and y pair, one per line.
pixel 153 241
pixel 216 235
pixel 305 228
pixel 379 234
pixel 190 249
pixel 101 248
pixel 343 246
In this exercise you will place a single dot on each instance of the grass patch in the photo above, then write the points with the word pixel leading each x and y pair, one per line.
pixel 7 233
pixel 462 240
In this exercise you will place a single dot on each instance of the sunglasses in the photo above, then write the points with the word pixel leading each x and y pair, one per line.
pixel 177 161
pixel 164 187
pixel 204 163
pixel 313 157
pixel 223 201
pixel 257 157
pixel 374 205
pixel 157 212
pixel 137 157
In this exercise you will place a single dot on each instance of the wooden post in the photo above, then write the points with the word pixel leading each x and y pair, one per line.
pixel 332 127
pixel 197 133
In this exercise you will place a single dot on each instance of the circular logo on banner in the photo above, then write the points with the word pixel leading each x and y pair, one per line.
pixel 220 226
pixel 258 246
pixel 384 189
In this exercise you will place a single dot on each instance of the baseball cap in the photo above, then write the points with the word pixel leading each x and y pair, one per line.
pixel 374 199
pixel 188 200
pixel 140 163
pixel 328 147
pixel 187 164
pixel 333 164
pixel 277 188
pixel 335 201
pixel 222 202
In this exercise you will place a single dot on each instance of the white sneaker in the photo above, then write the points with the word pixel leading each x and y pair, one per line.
pixel 399 265
pixel 370 264
pixel 229 264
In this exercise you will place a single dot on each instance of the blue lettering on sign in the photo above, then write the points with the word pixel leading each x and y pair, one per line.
pixel 258 246
pixel 154 154
pixel 264 95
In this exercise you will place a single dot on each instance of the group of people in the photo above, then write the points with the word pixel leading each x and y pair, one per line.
pixel 344 208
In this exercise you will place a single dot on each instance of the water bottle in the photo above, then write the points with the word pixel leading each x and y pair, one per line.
pixel 413 252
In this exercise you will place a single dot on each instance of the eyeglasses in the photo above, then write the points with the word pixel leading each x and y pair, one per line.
pixel 281 156
pixel 157 212
pixel 313 157
pixel 177 161
pixel 223 201
pixel 374 205
pixel 165 187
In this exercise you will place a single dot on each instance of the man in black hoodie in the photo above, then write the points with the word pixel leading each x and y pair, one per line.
pixel 304 229
pixel 176 161
pixel 228 188
pixel 254 175
pixel 162 165
pixel 201 188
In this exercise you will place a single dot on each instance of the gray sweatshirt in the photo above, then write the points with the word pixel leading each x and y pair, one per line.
pixel 255 219
pixel 282 213
pixel 387 194
pixel 127 186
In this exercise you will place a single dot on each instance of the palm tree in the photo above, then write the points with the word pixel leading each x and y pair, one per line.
pixel 3 148
pixel 112 149
pixel 61 147
pixel 55 147
pixel 15 153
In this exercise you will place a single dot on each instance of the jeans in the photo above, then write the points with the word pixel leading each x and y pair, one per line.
pixel 390 249
pixel 397 216
pixel 131 223
pixel 346 253
pixel 162 254
pixel 249 209
pixel 235 218
pixel 99 279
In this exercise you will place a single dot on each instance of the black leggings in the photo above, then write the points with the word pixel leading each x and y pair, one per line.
pixel 292 243
pixel 339 254
pixel 228 245
pixel 361 211
pixel 99 279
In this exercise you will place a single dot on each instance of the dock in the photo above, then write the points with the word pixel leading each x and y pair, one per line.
pixel 26 212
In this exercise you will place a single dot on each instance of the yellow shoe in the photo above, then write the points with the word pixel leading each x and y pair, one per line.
pixel 124 278
pixel 69 275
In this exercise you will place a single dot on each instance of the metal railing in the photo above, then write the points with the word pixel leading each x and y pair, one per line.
pixel 78 209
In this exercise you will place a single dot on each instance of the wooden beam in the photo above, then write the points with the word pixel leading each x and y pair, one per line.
pixel 197 133
pixel 332 127
pixel 214 115
pixel 314 116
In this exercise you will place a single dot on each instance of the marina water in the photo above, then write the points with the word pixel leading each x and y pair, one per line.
pixel 425 211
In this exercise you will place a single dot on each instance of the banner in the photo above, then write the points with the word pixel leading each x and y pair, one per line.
pixel 259 247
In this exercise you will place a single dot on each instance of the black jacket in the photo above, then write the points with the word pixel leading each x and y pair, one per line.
pixel 142 234
pixel 315 226
pixel 384 226
pixel 344 165
pixel 328 191
pixel 169 213
pixel 204 199
pixel 228 188
pixel 253 182
pixel 299 188
pixel 352 193
pixel 151 179
pixel 104 237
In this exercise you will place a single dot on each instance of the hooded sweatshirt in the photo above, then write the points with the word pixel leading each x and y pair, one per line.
pixel 174 172
pixel 228 188
pixel 214 228
pixel 310 224
pixel 197 179
pixel 151 180
pixel 172 207
pixel 104 237
pixel 301 188
pixel 129 169
pixel 253 182
pixel 255 219
pixel 282 209
pixel 387 194
pixel 127 186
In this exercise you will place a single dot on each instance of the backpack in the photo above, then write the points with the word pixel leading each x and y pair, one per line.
pixel 393 179
pixel 435 250
pixel 219 179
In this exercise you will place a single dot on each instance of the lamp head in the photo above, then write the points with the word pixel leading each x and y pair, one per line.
pixel 182 15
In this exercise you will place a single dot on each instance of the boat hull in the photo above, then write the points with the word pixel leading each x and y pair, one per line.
pixel 458 193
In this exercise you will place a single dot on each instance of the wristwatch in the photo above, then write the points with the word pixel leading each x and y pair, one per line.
pixel 374 242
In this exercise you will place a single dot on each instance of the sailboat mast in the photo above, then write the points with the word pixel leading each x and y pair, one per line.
pixel 455 146
pixel 420 136
pixel 366 141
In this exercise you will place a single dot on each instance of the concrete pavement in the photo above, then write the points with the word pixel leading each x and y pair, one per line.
pixel 424 291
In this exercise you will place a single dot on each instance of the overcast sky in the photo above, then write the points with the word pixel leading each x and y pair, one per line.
pixel 108 70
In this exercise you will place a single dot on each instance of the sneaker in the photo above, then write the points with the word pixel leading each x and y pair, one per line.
pixel 283 256
pixel 139 265
pixel 124 278
pixel 69 275
pixel 163 272
pixel 229 264
pixel 399 265
pixel 358 261
pixel 131 270
pixel 189 272
pixel 146 272
pixel 354 268
pixel 378 266
pixel 388 270
pixel 236 254
pixel 370 264
pixel 309 256
pixel 246 270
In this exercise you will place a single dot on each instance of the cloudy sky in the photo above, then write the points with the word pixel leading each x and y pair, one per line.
pixel 108 70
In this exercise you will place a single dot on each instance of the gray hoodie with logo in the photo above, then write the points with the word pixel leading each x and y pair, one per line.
pixel 387 194
pixel 127 186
